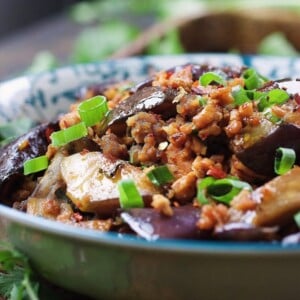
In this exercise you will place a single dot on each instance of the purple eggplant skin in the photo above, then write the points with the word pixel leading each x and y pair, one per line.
pixel 13 155
pixel 245 232
pixel 152 99
pixel 260 156
pixel 151 225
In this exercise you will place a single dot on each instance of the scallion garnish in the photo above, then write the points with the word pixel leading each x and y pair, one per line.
pixel 297 218
pixel 202 101
pixel 223 190
pixel 201 189
pixel 65 136
pixel 239 95
pixel 160 175
pixel 271 117
pixel 252 79
pixel 129 194
pixel 277 96
pixel 211 78
pixel 284 160
pixel 36 164
pixel 93 110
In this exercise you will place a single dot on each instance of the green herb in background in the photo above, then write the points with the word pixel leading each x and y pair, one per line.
pixel 12 130
pixel 170 44
pixel 276 44
pixel 16 276
pixel 98 42
pixel 43 61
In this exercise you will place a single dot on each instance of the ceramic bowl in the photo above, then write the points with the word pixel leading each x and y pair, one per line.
pixel 112 266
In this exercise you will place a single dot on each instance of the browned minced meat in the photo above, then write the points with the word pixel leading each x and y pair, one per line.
pixel 144 123
pixel 162 204
pixel 111 146
pixel 185 188
pixel 213 215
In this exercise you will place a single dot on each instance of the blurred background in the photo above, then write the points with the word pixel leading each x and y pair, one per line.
pixel 40 35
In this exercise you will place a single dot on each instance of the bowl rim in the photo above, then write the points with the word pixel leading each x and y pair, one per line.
pixel 74 233
pixel 129 241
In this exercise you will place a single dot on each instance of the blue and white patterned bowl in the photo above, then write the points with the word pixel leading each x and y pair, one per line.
pixel 109 266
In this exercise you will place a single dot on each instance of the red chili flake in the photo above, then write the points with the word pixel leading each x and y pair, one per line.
pixel 216 173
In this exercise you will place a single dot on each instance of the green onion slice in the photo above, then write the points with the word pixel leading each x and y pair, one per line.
pixel 202 101
pixel 271 117
pixel 226 189
pixel 223 190
pixel 252 79
pixel 65 136
pixel 278 96
pixel 240 95
pixel 160 175
pixel 129 194
pixel 284 160
pixel 93 110
pixel 210 78
pixel 297 218
pixel 37 164
pixel 201 189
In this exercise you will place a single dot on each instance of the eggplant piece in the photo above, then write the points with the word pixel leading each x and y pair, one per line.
pixel 13 155
pixel 291 240
pixel 276 201
pixel 52 179
pixel 260 156
pixel 91 181
pixel 146 99
pixel 151 225
pixel 245 232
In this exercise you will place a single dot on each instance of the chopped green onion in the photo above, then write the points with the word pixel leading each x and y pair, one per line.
pixel 160 175
pixel 223 190
pixel 226 189
pixel 297 218
pixel 65 136
pixel 262 99
pixel 284 160
pixel 93 110
pixel 201 189
pixel 129 194
pixel 210 78
pixel 252 79
pixel 278 96
pixel 271 117
pixel 239 95
pixel 202 101
pixel 37 164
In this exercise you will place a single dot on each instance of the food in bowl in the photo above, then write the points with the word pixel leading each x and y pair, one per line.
pixel 194 152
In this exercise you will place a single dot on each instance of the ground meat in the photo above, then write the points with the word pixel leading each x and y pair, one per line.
pixel 210 113
pixel 212 215
pixel 185 188
pixel 143 124
pixel 181 78
pixel 162 204
pixel 111 146
pixel 235 124
pixel 70 118
pixel 179 159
